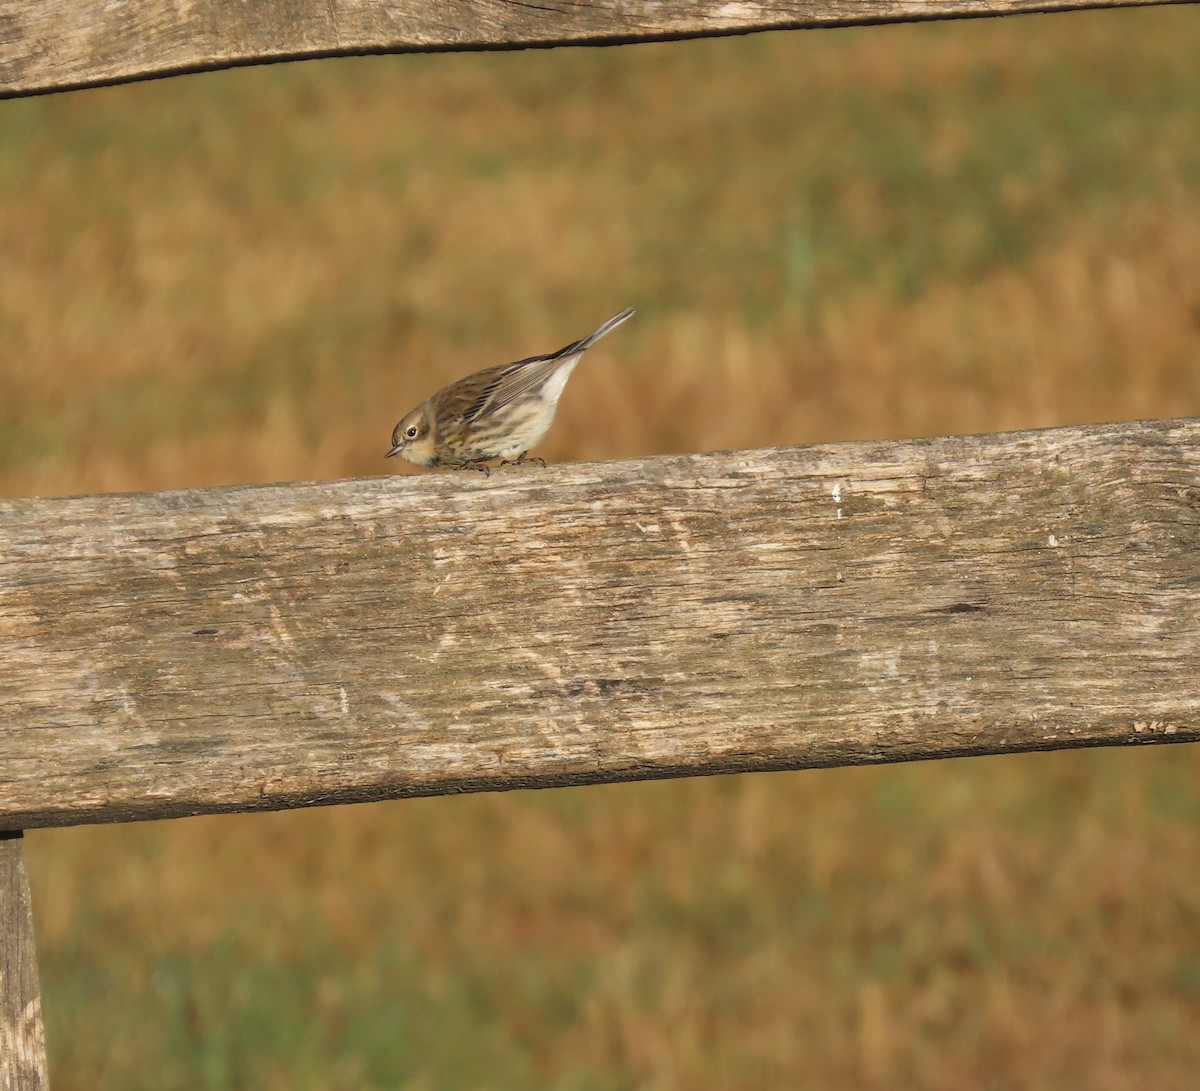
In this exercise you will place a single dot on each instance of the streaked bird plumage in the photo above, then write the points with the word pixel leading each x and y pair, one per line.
pixel 499 412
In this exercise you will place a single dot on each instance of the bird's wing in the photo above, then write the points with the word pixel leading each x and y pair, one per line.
pixel 513 381
pixel 526 375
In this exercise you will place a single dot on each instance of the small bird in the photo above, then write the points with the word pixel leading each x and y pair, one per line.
pixel 499 412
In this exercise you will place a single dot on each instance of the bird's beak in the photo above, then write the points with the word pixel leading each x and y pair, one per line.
pixel 394 451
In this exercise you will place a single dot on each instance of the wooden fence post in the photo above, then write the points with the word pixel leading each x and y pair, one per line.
pixel 22 1038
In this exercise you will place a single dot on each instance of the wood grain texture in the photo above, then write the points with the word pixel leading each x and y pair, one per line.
pixel 48 45
pixel 22 1039
pixel 225 650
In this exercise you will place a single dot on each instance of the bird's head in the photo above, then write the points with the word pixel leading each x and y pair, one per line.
pixel 413 440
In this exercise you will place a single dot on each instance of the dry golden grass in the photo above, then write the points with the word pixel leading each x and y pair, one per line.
pixel 885 232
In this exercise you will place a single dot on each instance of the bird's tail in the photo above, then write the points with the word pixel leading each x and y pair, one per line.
pixel 585 343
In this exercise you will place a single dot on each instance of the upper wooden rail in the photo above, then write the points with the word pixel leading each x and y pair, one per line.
pixel 52 45
pixel 237 649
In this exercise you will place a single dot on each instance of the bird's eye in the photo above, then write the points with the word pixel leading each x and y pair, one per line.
pixel 412 432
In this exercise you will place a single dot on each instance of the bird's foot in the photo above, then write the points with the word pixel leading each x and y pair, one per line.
pixel 521 459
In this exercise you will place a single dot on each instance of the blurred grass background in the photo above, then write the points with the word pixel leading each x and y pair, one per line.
pixel 877 232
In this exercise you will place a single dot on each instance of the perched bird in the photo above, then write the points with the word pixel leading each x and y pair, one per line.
pixel 499 412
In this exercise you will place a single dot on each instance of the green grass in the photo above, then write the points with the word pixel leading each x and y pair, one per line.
pixel 232 240
pixel 934 922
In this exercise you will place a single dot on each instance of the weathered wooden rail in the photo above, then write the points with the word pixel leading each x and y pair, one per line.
pixel 241 649
pixel 244 649
pixel 49 45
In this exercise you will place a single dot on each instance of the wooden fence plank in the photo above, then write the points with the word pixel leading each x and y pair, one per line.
pixel 22 1039
pixel 237 649
pixel 48 45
